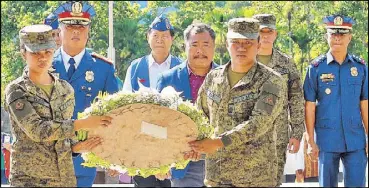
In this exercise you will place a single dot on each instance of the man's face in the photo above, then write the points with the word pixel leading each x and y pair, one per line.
pixel 74 36
pixel 338 42
pixel 39 62
pixel 267 37
pixel 160 41
pixel 56 35
pixel 200 50
pixel 242 51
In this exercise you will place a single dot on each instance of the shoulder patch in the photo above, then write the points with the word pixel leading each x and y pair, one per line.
pixel 359 59
pixel 318 60
pixel 14 95
pixel 95 55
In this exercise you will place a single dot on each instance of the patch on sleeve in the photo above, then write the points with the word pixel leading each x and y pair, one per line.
pixel 268 98
pixel 21 108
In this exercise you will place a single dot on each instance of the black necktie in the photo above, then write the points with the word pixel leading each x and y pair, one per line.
pixel 72 68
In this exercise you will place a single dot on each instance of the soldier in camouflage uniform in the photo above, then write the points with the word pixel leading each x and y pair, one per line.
pixel 242 100
pixel 40 107
pixel 294 110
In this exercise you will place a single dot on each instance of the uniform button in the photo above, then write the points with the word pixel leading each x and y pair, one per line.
pixel 89 88
pixel 83 87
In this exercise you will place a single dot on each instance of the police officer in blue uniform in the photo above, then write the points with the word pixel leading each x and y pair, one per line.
pixel 146 70
pixel 87 72
pixel 336 94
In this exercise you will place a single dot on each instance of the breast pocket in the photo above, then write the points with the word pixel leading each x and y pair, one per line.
pixel 327 89
pixel 355 85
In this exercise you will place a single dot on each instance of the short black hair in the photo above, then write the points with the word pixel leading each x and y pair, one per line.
pixel 171 32
pixel 198 28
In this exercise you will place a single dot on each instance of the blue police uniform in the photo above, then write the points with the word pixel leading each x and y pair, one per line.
pixel 93 74
pixel 194 173
pixel 337 91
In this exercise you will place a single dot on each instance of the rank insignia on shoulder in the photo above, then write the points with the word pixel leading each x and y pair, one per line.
pixel 318 60
pixel 95 55
pixel 359 60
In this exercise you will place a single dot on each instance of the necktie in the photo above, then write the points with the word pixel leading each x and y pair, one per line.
pixel 72 68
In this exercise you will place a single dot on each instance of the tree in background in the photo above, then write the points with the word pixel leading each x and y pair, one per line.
pixel 299 25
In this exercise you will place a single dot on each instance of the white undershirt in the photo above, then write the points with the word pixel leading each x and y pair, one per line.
pixel 155 70
pixel 76 58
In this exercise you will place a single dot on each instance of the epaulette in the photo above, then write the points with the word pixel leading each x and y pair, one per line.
pixel 359 59
pixel 318 60
pixel 95 55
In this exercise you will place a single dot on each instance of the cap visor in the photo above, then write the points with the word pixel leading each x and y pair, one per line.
pixel 40 47
pixel 337 27
pixel 270 26
pixel 234 35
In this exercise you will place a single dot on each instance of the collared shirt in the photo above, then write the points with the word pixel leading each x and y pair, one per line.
pixel 337 89
pixel 330 58
pixel 76 58
pixel 195 83
pixel 155 70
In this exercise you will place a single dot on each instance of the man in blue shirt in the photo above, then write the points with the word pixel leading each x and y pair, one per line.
pixel 336 94
pixel 146 70
pixel 187 79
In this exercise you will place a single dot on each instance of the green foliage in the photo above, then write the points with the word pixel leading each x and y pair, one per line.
pixel 105 103
pixel 301 36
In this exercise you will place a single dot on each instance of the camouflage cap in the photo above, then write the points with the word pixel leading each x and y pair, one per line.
pixel 244 28
pixel 266 20
pixel 37 37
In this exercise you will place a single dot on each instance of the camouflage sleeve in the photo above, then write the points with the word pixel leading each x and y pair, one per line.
pixel 296 102
pixel 37 128
pixel 268 107
pixel 201 101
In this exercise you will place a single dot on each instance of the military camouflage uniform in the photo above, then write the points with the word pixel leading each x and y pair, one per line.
pixel 247 113
pixel 43 132
pixel 294 110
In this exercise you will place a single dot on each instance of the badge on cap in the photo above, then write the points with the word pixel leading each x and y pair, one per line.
pixel 338 20
pixel 354 71
pixel 328 91
pixel 167 24
pixel 19 106
pixel 76 9
pixel 89 76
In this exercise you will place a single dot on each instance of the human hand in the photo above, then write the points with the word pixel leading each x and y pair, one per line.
pixel 313 150
pixel 87 145
pixel 207 145
pixel 296 145
pixel 192 155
